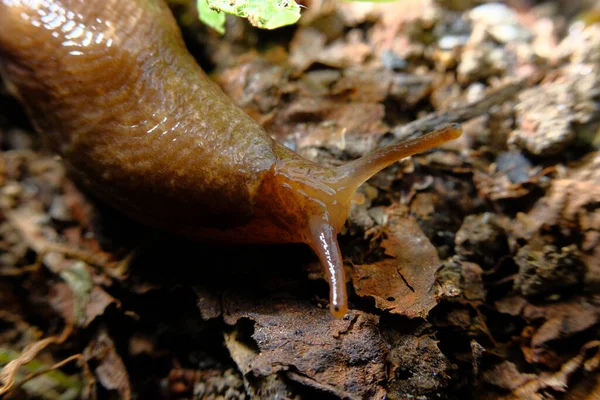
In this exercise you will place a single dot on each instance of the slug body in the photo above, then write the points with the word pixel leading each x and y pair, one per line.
pixel 113 90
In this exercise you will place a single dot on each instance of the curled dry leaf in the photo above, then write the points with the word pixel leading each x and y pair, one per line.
pixel 107 365
pixel 507 376
pixel 345 357
pixel 85 310
pixel 587 360
pixel 403 282
pixel 562 319
pixel 27 222
pixel 499 186
pixel 255 83
pixel 310 46
pixel 550 323
pixel 572 203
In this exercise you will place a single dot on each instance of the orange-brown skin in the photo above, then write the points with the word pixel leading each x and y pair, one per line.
pixel 113 90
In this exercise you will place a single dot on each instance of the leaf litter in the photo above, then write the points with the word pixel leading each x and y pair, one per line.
pixel 473 269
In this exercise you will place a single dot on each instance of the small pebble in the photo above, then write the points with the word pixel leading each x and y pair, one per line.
pixel 482 239
pixel 548 270
pixel 392 61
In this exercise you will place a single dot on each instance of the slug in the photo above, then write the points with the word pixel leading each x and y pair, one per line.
pixel 114 92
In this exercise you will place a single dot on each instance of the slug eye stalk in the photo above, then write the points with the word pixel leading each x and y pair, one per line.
pixel 356 172
pixel 324 227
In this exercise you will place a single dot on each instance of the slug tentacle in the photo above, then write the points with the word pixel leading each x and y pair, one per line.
pixel 323 240
pixel 355 173
pixel 311 203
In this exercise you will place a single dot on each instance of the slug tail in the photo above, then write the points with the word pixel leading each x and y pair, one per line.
pixel 323 240
pixel 355 173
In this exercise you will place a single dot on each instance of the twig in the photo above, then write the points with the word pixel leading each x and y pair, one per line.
pixel 51 368
pixel 461 114
pixel 360 145
pixel 9 372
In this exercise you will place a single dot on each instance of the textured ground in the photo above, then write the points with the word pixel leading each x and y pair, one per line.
pixel 474 269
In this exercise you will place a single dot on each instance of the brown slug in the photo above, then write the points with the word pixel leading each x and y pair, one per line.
pixel 113 90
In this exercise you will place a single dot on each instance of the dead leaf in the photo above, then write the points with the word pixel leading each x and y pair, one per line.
pixel 363 86
pixel 564 321
pixel 108 365
pixel 572 203
pixel 560 321
pixel 61 298
pixel 512 305
pixel 54 255
pixel 506 376
pixel 305 48
pixel 310 45
pixel 403 282
pixel 341 356
pixel 559 381
pixel 472 282
pixel 254 83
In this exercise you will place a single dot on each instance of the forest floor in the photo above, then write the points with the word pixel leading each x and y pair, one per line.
pixel 473 269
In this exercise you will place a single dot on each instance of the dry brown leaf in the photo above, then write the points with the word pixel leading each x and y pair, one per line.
pixel 561 321
pixel 564 320
pixel 512 305
pixel 108 365
pixel 54 255
pixel 571 203
pixel 254 83
pixel 362 85
pixel 305 47
pixel 403 282
pixel 345 357
pixel 345 52
pixel 61 298
pixel 309 46
pixel 587 388
pixel 558 381
pixel 506 376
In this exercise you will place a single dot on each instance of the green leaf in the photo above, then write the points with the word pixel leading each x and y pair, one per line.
pixel 79 281
pixel 211 17
pixel 266 14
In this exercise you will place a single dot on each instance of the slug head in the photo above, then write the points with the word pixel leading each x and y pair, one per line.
pixel 309 203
